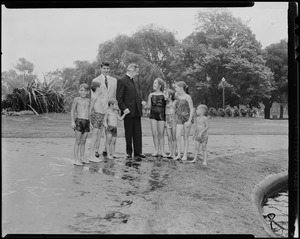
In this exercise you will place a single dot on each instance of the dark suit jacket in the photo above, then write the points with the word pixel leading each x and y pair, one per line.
pixel 128 97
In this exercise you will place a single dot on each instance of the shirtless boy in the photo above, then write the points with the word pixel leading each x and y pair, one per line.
pixel 111 123
pixel 80 124
pixel 200 135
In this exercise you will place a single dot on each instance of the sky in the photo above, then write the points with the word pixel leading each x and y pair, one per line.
pixel 54 38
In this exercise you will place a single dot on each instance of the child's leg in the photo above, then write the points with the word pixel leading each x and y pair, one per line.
pixel 76 147
pixel 170 141
pixel 179 128
pixel 82 147
pixel 104 138
pixel 160 137
pixel 186 141
pixel 93 145
pixel 113 145
pixel 108 145
pixel 153 124
pixel 98 141
pixel 174 141
pixel 197 146
pixel 204 144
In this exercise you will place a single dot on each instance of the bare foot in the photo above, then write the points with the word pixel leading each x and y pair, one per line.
pixel 204 163
pixel 184 158
pixel 110 157
pixel 155 154
pixel 78 163
pixel 95 160
pixel 85 161
pixel 177 158
pixel 193 161
pixel 165 156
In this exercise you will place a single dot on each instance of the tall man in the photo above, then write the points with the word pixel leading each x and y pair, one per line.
pixel 129 100
pixel 109 85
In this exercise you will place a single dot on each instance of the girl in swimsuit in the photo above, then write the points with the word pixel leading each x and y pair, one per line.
pixel 157 104
pixel 171 123
pixel 183 115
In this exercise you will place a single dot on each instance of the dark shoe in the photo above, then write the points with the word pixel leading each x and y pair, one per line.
pixel 128 156
pixel 141 156
pixel 137 159
pixel 97 154
pixel 104 153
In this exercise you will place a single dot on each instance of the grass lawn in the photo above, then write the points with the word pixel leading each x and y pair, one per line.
pixel 55 125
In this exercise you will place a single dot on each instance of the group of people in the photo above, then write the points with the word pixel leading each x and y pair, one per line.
pixel 170 110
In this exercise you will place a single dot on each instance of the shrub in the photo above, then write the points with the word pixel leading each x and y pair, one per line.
pixel 255 113
pixel 48 96
pixel 221 112
pixel 212 112
pixel 236 112
pixel 229 112
pixel 243 112
pixel 250 112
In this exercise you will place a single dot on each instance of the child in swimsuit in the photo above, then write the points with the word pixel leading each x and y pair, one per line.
pixel 97 111
pixel 200 135
pixel 157 104
pixel 183 115
pixel 110 124
pixel 171 122
pixel 80 124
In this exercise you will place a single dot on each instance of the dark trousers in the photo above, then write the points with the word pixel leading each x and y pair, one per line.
pixel 133 134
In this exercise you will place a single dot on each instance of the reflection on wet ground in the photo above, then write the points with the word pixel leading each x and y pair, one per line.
pixel 98 195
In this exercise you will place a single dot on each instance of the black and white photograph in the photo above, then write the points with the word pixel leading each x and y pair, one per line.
pixel 146 120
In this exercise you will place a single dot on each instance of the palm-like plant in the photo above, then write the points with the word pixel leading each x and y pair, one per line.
pixel 50 95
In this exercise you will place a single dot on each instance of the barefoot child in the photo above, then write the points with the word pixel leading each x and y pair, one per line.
pixel 184 111
pixel 201 135
pixel 171 123
pixel 111 123
pixel 157 104
pixel 80 124
pixel 97 111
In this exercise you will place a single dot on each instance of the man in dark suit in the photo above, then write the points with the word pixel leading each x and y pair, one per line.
pixel 129 100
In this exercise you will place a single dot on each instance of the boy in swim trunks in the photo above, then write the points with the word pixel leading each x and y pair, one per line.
pixel 200 135
pixel 97 111
pixel 80 124
pixel 110 124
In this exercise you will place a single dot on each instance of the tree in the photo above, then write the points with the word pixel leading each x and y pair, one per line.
pixel 277 60
pixel 21 75
pixel 158 46
pixel 224 46
pixel 112 51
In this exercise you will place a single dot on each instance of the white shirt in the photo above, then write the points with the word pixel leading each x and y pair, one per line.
pixel 110 91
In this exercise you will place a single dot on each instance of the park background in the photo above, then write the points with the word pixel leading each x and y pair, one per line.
pixel 245 46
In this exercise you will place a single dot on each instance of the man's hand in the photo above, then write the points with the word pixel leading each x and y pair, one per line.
pixel 73 125
pixel 126 111
pixel 144 103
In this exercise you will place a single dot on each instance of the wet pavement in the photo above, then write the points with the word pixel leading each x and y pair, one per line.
pixel 44 193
